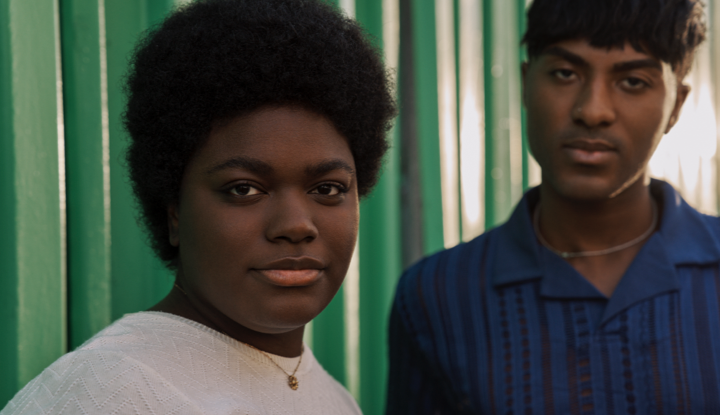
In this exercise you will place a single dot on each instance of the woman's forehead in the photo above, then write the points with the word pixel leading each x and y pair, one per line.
pixel 273 139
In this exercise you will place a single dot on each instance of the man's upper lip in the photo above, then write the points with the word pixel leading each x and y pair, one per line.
pixel 303 262
pixel 589 144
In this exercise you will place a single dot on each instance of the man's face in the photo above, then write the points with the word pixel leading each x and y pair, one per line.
pixel 595 116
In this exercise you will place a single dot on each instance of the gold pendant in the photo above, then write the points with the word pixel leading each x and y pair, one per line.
pixel 293 382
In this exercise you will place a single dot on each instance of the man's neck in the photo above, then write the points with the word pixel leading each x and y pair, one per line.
pixel 582 226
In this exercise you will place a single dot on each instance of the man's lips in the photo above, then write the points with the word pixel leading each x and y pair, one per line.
pixel 589 144
pixel 589 151
pixel 292 271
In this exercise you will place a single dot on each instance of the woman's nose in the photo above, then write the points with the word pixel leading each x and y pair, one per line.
pixel 290 219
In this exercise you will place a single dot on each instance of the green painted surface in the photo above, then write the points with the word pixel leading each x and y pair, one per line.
pixel 32 289
pixel 380 253
pixel 503 145
pixel 139 279
pixel 380 268
pixel 456 32
pixel 328 333
pixel 87 172
pixel 521 27
pixel 157 10
pixel 425 65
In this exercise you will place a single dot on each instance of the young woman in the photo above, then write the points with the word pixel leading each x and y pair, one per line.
pixel 256 126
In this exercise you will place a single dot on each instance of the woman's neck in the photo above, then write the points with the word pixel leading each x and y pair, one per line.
pixel 178 302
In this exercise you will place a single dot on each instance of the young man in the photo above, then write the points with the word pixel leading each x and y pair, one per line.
pixel 601 294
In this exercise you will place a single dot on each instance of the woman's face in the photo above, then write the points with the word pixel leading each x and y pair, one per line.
pixel 267 219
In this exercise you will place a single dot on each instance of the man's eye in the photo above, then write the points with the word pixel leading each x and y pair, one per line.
pixel 328 190
pixel 244 190
pixel 634 83
pixel 563 74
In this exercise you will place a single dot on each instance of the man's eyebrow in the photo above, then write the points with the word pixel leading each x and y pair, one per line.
pixel 247 163
pixel 327 166
pixel 566 54
pixel 637 64
pixel 618 67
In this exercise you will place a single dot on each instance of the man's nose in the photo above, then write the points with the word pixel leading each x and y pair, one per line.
pixel 594 107
pixel 290 219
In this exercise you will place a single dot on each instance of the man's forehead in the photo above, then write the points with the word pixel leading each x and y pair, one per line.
pixel 623 57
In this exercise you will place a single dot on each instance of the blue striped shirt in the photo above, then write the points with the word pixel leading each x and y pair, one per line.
pixel 501 325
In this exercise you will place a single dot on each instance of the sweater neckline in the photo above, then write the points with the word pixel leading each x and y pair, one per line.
pixel 288 364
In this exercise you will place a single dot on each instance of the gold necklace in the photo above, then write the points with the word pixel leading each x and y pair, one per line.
pixel 648 232
pixel 292 379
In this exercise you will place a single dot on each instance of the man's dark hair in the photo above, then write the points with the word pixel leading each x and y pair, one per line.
pixel 669 30
pixel 217 59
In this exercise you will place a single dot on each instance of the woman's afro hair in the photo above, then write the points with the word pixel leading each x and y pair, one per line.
pixel 214 60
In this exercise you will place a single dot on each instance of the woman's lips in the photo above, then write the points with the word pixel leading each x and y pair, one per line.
pixel 292 271
pixel 290 277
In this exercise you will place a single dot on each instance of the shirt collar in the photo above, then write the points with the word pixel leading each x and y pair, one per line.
pixel 685 232
pixel 517 249
pixel 684 237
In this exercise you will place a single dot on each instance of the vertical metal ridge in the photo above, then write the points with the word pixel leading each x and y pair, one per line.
pixel 447 120
pixel 32 294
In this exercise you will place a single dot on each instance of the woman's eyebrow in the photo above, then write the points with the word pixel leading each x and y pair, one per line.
pixel 246 163
pixel 327 166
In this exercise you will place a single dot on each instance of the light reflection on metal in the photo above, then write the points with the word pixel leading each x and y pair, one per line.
pixel 447 119
pixel 351 291
pixel 472 120
pixel 686 157
pixel 348 6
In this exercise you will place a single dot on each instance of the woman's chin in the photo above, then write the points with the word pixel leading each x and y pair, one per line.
pixel 281 320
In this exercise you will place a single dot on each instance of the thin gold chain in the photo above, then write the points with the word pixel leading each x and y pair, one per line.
pixel 292 379
pixel 274 362
pixel 648 232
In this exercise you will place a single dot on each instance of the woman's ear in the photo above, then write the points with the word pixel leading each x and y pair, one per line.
pixel 173 224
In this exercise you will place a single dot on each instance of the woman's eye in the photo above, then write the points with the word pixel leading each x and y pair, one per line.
pixel 328 190
pixel 563 74
pixel 244 190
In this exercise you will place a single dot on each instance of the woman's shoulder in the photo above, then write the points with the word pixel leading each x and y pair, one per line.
pixel 160 363
pixel 148 331
pixel 99 381
pixel 325 388
pixel 115 370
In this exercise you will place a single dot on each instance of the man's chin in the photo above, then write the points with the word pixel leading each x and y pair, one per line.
pixel 587 189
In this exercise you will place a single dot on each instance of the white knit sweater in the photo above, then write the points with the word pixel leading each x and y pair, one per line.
pixel 159 363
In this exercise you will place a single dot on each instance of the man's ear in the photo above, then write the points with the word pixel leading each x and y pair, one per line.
pixel 523 70
pixel 682 93
pixel 173 224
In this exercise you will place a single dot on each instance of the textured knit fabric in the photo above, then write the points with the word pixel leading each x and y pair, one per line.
pixel 158 363
pixel 501 325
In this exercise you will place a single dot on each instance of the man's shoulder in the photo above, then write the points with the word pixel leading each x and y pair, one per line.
pixel 470 253
pixel 712 222
pixel 436 279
